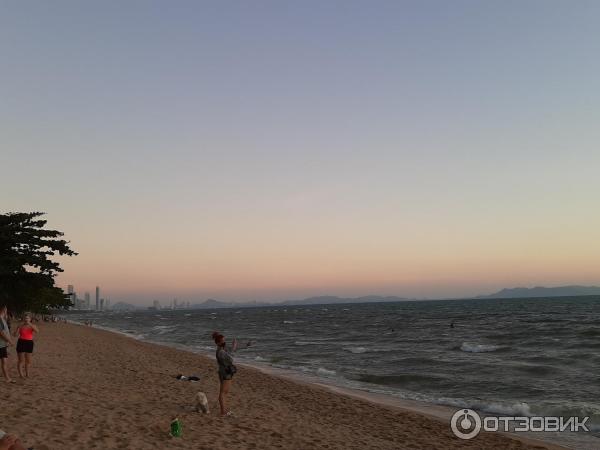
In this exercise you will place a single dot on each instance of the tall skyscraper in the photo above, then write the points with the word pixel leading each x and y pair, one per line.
pixel 87 300
pixel 97 298
pixel 71 293
pixel 101 304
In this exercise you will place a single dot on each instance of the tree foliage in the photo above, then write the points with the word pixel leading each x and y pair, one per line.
pixel 27 271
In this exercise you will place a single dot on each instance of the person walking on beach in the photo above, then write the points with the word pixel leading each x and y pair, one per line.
pixel 5 341
pixel 226 368
pixel 25 345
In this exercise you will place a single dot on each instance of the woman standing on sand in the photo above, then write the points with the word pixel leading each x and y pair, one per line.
pixel 25 344
pixel 226 368
pixel 5 342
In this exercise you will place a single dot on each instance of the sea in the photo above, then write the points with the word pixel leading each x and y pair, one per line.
pixel 515 357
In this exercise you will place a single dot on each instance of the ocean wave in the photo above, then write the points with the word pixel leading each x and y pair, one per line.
pixel 129 333
pixel 479 348
pixel 419 360
pixel 289 321
pixel 355 349
pixel 537 369
pixel 162 329
pixel 509 409
pixel 301 343
pixel 397 380
pixel 590 333
pixel 542 359
pixel 201 347
pixel 584 344
pixel 325 372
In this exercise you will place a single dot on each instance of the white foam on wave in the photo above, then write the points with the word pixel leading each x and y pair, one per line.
pixel 162 329
pixel 288 321
pixel 478 348
pixel 259 358
pixel 310 343
pixel 201 347
pixel 509 409
pixel 128 333
pixel 355 349
pixel 325 372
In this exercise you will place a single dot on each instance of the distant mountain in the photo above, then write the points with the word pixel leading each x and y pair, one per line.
pixel 122 306
pixel 540 291
pixel 322 300
pixel 329 299
pixel 212 303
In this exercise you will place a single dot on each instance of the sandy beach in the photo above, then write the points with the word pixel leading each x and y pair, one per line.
pixel 93 389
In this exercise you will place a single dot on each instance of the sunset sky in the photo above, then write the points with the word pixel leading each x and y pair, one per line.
pixel 276 150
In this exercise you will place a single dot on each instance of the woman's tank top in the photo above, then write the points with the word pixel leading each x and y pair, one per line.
pixel 26 333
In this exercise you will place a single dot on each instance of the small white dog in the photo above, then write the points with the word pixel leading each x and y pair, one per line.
pixel 201 403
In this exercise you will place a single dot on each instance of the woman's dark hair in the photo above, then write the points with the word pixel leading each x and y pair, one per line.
pixel 218 337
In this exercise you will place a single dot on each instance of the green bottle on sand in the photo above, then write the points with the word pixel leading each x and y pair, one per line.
pixel 176 428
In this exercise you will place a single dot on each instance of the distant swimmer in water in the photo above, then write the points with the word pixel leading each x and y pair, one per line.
pixel 452 324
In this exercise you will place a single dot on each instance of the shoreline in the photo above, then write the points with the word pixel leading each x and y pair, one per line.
pixel 96 389
pixel 436 411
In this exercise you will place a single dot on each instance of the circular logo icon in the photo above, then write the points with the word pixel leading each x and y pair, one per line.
pixel 465 424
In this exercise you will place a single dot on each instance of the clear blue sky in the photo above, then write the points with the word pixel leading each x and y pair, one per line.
pixel 282 149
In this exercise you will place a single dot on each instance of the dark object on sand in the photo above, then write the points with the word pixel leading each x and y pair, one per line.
pixel 190 378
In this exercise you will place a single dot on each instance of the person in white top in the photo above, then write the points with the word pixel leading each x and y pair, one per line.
pixel 5 342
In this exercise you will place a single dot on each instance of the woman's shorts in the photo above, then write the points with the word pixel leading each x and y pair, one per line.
pixel 225 376
pixel 24 346
pixel 3 352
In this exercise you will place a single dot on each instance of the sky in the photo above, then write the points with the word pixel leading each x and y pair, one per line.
pixel 278 150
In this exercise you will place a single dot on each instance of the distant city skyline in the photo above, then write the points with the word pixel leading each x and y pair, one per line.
pixel 84 303
pixel 222 150
pixel 176 303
